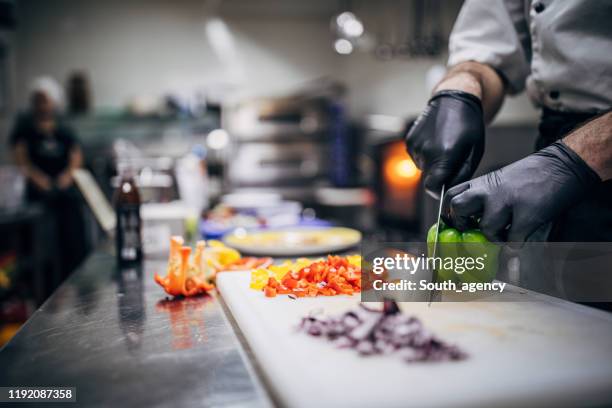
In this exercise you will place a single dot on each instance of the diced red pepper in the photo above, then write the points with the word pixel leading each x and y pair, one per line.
pixel 270 291
pixel 334 276
pixel 272 282
pixel 290 282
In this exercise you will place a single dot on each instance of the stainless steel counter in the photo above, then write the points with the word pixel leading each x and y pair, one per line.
pixel 114 336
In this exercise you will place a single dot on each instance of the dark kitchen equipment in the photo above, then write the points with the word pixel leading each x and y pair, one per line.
pixel 398 186
pixel 284 144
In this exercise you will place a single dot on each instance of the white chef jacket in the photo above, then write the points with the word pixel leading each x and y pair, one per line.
pixel 559 50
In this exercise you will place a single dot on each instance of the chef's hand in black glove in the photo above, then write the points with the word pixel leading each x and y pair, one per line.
pixel 447 139
pixel 515 200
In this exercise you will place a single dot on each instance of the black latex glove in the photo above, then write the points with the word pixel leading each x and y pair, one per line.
pixel 447 139
pixel 514 201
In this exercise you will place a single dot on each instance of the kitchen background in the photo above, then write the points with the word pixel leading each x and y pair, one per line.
pixel 295 106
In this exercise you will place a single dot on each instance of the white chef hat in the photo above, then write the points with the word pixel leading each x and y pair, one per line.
pixel 50 87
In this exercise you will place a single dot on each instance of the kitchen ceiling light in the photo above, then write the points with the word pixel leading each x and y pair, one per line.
pixel 353 28
pixel 217 139
pixel 343 18
pixel 343 46
pixel 348 25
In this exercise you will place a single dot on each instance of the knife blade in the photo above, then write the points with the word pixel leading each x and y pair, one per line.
pixel 434 273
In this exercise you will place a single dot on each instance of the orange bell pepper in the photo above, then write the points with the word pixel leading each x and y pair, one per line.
pixel 184 278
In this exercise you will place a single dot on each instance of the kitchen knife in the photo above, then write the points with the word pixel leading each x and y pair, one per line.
pixel 434 273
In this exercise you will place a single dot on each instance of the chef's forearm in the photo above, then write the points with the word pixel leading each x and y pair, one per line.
pixel 477 79
pixel 593 143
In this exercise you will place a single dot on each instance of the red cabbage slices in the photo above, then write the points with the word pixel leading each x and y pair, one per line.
pixel 385 331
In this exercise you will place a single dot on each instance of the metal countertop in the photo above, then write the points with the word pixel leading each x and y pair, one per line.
pixel 114 335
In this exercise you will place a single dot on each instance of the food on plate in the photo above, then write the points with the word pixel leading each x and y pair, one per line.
pixel 387 331
pixel 222 219
pixel 308 278
pixel 231 218
pixel 190 276
pixel 470 243
pixel 295 238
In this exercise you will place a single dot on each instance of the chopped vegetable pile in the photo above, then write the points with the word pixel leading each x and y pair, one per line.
pixel 187 276
pixel 386 331
pixel 305 278
pixel 260 276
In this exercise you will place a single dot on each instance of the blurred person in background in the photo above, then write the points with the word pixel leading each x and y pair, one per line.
pixel 47 152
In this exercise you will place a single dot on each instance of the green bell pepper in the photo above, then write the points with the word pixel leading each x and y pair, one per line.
pixel 453 244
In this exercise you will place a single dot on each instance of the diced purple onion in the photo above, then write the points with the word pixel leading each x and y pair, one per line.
pixel 369 331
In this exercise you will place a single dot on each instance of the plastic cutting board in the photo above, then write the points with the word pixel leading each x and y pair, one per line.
pixel 535 351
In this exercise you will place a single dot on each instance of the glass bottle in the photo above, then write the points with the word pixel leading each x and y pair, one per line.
pixel 129 223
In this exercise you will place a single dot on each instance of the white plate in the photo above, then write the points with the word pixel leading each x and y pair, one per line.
pixel 294 241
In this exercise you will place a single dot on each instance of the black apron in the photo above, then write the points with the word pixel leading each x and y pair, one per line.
pixel 591 219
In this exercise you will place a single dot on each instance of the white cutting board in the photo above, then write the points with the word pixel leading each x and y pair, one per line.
pixel 538 351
